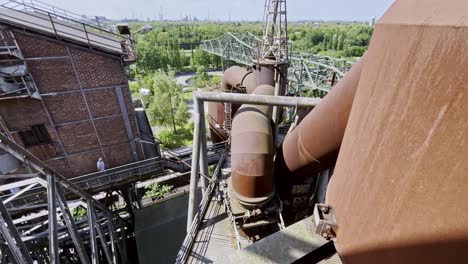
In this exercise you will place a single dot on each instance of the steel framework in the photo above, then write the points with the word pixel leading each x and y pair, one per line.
pixel 307 73
pixel 47 236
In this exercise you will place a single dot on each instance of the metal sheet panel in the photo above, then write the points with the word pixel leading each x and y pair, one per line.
pixel 400 187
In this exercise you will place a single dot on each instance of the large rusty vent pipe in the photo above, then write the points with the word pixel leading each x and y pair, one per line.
pixel 321 132
pixel 252 152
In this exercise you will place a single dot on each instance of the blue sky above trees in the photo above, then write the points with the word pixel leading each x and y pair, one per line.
pixel 362 10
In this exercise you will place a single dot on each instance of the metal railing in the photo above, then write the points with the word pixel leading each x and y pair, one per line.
pixel 39 6
pixel 113 178
pixel 65 25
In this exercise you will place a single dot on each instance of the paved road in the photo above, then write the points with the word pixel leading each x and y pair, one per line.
pixel 183 78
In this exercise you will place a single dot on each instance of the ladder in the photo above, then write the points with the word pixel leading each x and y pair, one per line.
pixel 227 117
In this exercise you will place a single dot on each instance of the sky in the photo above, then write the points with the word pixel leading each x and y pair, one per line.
pixel 348 10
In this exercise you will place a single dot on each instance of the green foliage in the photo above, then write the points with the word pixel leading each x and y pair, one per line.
pixel 156 190
pixel 200 58
pixel 215 81
pixel 335 40
pixel 171 140
pixel 163 47
pixel 202 77
pixel 167 107
pixel 79 213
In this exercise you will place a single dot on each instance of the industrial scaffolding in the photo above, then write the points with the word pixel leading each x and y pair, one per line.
pixel 34 241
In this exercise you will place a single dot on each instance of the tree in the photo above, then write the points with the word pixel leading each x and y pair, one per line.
pixel 168 107
pixel 200 58
pixel 202 77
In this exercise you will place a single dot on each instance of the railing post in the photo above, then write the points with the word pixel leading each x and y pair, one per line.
pixel 53 25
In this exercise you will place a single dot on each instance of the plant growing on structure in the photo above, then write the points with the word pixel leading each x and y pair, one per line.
pixel 156 191
pixel 79 213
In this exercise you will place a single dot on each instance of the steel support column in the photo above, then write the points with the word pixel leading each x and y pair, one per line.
pixel 110 224
pixel 92 233
pixel 70 222
pixel 195 161
pixel 20 253
pixel 102 238
pixel 52 208
pixel 203 147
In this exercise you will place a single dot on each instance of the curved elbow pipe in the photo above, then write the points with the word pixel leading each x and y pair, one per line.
pixel 318 137
pixel 252 152
pixel 232 78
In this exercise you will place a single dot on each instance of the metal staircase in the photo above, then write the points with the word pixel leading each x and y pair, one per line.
pixel 15 80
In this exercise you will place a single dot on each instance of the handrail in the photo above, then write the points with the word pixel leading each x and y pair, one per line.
pixel 121 173
pixel 80 31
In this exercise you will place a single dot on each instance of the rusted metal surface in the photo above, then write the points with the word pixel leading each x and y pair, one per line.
pixel 400 187
pixel 261 75
pixel 252 151
pixel 321 131
pixel 236 79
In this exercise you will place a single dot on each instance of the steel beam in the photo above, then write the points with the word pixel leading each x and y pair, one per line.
pixel 9 186
pixel 195 160
pixel 20 253
pixel 110 224
pixel 102 238
pixel 52 208
pixel 30 160
pixel 70 222
pixel 255 99
pixel 203 147
pixel 92 232
pixel 128 127
pixel 16 195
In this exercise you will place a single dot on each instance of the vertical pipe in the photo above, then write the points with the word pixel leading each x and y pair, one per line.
pixel 195 163
pixel 203 147
pixel 92 233
pixel 53 237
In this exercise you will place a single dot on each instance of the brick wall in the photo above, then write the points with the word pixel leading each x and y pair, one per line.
pixel 80 107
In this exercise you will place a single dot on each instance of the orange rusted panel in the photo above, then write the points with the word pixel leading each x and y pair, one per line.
pixel 400 186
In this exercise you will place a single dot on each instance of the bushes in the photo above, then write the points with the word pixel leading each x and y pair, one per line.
pixel 171 140
pixel 156 191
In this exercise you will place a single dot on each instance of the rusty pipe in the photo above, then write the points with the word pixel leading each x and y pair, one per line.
pixel 320 134
pixel 252 152
pixel 259 76
pixel 236 78
pixel 232 78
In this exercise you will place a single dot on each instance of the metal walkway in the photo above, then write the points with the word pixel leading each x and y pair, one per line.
pixel 114 178
pixel 215 238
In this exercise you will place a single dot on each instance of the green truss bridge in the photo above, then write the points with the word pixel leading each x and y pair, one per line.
pixel 307 72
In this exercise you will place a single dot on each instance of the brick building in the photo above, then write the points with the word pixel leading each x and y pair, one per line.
pixel 64 93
